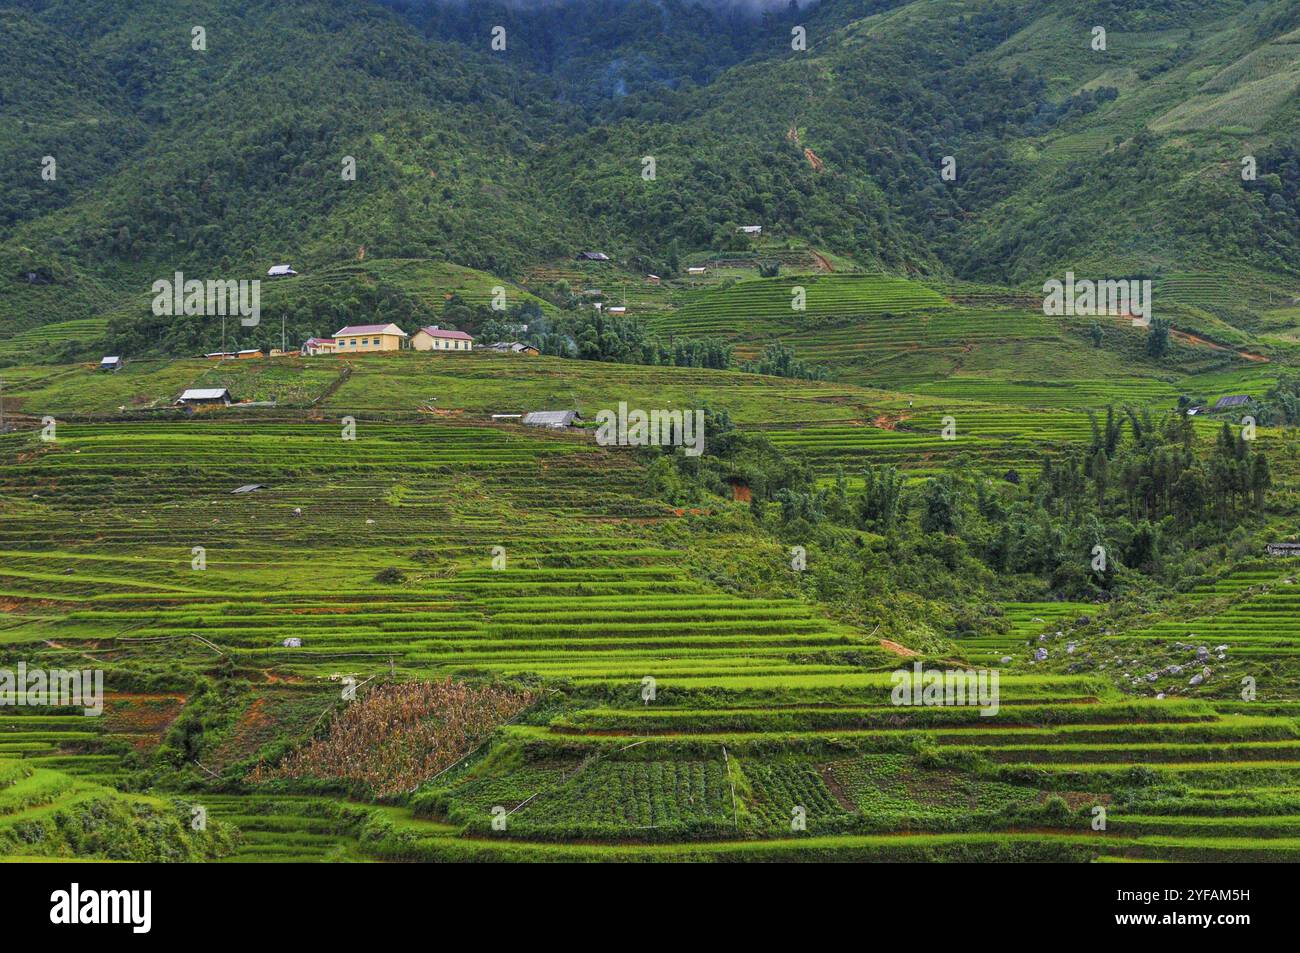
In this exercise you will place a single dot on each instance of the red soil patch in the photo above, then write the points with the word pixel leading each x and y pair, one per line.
pixel 1196 339
pixel 274 679
pixel 823 262
pixel 897 649
pixel 142 718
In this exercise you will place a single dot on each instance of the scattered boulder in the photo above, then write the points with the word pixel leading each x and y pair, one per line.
pixel 1196 680
pixel 1040 654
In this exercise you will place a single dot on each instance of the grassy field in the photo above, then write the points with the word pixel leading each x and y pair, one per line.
pixel 437 543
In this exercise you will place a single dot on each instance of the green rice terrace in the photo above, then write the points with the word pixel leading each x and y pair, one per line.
pixel 451 637
pixel 765 508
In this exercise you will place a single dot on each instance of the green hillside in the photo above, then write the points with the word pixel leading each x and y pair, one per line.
pixel 226 160
pixel 771 682
pixel 364 611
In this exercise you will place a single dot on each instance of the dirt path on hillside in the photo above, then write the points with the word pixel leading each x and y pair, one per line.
pixel 897 649
pixel 837 790
pixel 1196 339
pixel 823 262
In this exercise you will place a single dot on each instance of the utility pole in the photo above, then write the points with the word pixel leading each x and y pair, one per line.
pixel 2 406
pixel 282 334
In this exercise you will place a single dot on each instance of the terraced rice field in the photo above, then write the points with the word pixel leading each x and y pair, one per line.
pixel 999 438
pixel 471 386
pixel 1058 393
pixel 1255 614
pixel 770 732
pixel 49 337
pixel 762 306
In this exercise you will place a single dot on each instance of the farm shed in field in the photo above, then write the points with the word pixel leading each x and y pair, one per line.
pixel 653 279
pixel 1193 411
pixel 292 643
pixel 244 355
pixel 1233 400
pixel 369 337
pixel 204 396
pixel 513 347
pixel 696 270
pixel 751 229
pixel 618 309
pixel 592 256
pixel 280 271
pixel 552 419
pixel 250 488
pixel 1283 549
pixel 110 364
pixel 435 338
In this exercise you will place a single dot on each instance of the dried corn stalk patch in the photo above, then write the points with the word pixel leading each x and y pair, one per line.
pixel 399 736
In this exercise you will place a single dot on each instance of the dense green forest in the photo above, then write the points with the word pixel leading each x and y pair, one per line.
pixel 227 158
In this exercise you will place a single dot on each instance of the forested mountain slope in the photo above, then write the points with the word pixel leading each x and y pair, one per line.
pixel 221 161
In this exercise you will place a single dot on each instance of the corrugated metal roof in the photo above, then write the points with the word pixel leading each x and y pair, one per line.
pixel 1233 400
pixel 452 335
pixel 551 418
pixel 205 393
pixel 352 329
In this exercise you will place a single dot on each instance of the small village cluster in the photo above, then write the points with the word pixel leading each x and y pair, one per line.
pixel 366 338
